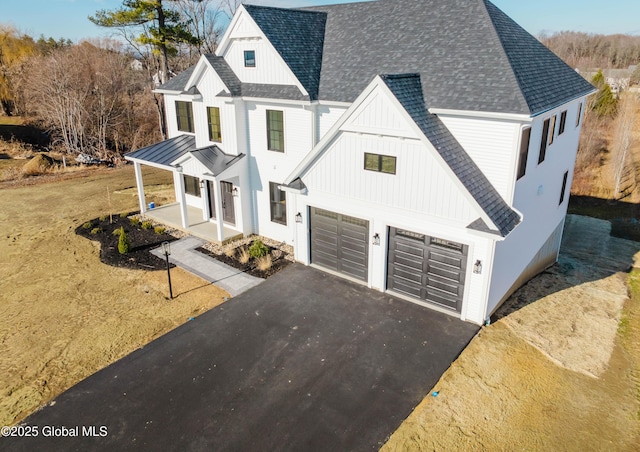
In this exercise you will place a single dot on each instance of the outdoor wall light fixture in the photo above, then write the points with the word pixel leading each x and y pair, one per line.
pixel 166 250
pixel 298 217
pixel 477 267
pixel 235 191
pixel 376 239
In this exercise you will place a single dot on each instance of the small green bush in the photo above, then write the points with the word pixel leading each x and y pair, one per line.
pixel 124 215
pixel 159 230
pixel 123 242
pixel 95 231
pixel 147 225
pixel 135 221
pixel 103 217
pixel 258 249
pixel 116 231
pixel 87 225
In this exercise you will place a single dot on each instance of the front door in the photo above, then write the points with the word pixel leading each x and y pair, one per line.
pixel 212 202
pixel 228 209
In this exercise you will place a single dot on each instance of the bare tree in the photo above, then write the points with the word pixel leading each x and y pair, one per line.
pixel 622 160
pixel 203 18
pixel 230 7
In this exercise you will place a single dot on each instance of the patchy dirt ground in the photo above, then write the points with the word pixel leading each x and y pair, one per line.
pixel 559 371
pixel 64 314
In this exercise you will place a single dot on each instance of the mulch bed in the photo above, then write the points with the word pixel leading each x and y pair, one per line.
pixel 250 267
pixel 141 241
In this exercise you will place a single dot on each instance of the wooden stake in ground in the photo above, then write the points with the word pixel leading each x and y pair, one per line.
pixel 109 206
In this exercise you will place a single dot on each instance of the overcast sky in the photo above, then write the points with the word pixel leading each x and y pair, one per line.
pixel 68 18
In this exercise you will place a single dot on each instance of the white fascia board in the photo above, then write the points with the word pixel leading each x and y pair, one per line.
pixel 481 114
pixel 166 91
pixel 330 103
pixel 273 102
pixel 226 40
pixel 584 96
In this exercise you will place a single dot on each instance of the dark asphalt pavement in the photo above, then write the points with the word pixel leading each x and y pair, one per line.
pixel 304 361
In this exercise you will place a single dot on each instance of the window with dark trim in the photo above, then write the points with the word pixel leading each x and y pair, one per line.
pixel 543 141
pixel 191 185
pixel 579 114
pixel 552 129
pixel 275 130
pixel 564 186
pixel 215 131
pixel 184 115
pixel 380 163
pixel 278 201
pixel 563 121
pixel 524 152
pixel 249 58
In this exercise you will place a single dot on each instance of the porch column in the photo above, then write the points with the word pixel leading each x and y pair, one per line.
pixel 219 213
pixel 178 180
pixel 140 186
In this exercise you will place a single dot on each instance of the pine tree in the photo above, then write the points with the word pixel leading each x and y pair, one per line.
pixel 604 103
pixel 123 242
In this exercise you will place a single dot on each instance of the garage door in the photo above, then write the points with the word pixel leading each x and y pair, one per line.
pixel 427 268
pixel 340 243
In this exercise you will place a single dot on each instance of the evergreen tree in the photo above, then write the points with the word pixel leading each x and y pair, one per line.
pixel 604 103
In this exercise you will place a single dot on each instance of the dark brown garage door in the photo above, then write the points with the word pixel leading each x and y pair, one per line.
pixel 340 243
pixel 427 268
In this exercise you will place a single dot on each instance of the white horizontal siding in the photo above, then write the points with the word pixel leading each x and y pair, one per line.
pixel 419 185
pixel 493 145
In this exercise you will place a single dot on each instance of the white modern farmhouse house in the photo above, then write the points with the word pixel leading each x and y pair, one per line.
pixel 421 147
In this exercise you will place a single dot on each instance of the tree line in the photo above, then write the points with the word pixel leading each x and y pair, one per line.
pixel 96 97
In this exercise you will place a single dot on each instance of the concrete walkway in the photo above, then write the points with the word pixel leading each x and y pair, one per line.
pixel 184 255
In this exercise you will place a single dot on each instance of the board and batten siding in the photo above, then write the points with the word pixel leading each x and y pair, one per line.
pixel 419 185
pixel 493 145
pixel 270 166
pixel 326 117
pixel 270 68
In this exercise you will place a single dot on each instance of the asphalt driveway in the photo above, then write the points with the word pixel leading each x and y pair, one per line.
pixel 304 361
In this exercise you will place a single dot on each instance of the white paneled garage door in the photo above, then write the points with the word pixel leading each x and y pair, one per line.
pixel 427 268
pixel 340 243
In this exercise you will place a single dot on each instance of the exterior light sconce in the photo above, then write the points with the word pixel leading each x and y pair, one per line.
pixel 166 250
pixel 376 239
pixel 477 267
pixel 234 192
pixel 298 217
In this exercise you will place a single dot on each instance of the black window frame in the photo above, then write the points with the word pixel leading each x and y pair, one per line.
pixel 249 58
pixel 184 114
pixel 214 127
pixel 543 141
pixel 563 122
pixel 277 204
pixel 525 142
pixel 191 185
pixel 564 187
pixel 552 129
pixel 275 136
pixel 378 161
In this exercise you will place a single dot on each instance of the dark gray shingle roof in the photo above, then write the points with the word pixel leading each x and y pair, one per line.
pixel 178 82
pixel 471 56
pixel 298 36
pixel 229 78
pixel 407 88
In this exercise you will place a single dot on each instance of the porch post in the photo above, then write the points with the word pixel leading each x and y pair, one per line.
pixel 178 180
pixel 204 192
pixel 140 186
pixel 219 213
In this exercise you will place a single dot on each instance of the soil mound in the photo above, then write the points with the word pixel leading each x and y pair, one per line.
pixel 40 164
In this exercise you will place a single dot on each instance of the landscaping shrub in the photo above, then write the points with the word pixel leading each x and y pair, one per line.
pixel 116 231
pixel 135 221
pixel 124 215
pixel 230 253
pixel 147 225
pixel 103 217
pixel 243 255
pixel 87 225
pixel 95 231
pixel 258 249
pixel 159 230
pixel 264 263
pixel 123 242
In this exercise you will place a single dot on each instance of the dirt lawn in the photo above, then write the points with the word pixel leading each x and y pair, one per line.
pixel 63 314
pixel 560 371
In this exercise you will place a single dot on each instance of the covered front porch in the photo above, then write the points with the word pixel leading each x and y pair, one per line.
pixel 208 186
pixel 171 216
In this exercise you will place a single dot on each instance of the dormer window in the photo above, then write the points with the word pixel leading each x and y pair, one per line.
pixel 249 58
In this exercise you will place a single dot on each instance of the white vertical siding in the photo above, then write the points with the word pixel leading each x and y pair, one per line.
pixel 419 185
pixel 492 144
pixel 326 117
pixel 269 69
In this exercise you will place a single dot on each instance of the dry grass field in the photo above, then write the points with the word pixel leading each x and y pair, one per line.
pixel 63 314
